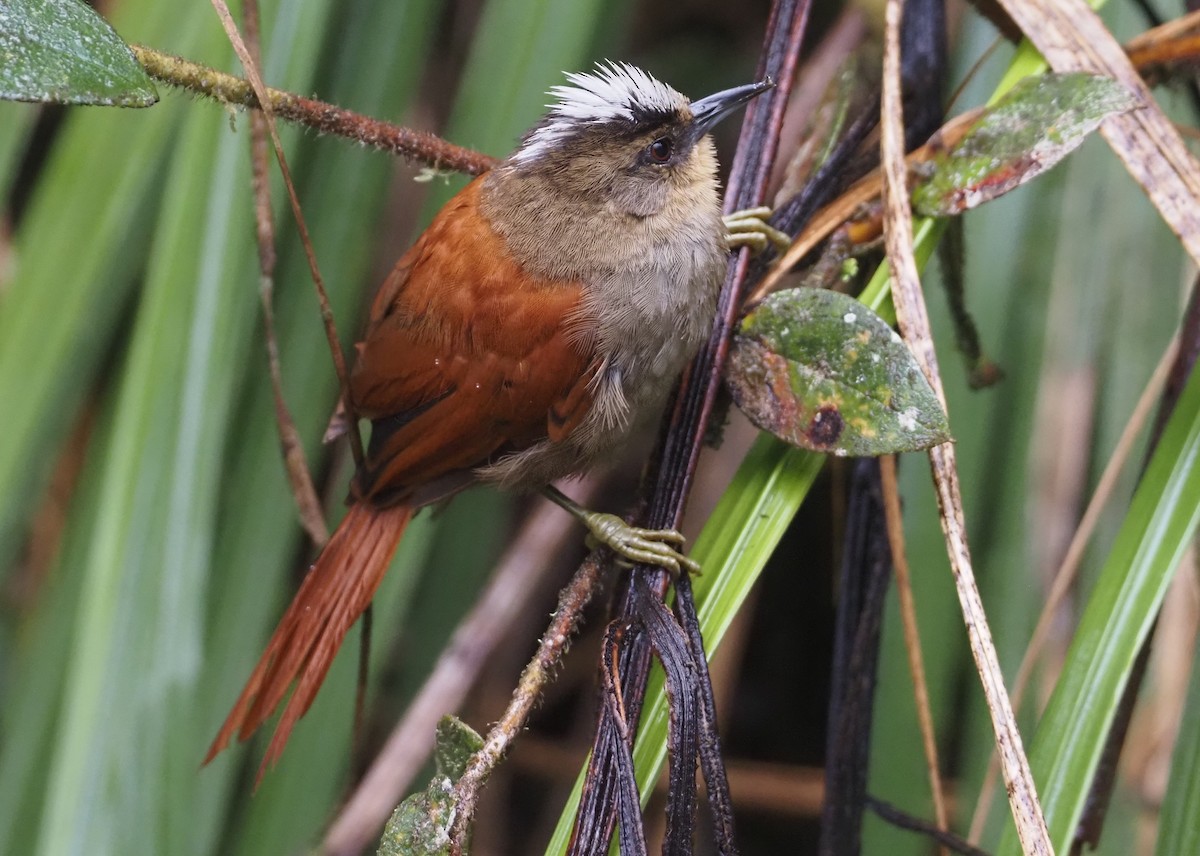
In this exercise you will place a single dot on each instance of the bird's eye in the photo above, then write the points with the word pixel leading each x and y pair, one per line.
pixel 661 149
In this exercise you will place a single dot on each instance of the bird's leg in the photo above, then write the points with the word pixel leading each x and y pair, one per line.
pixel 633 544
pixel 749 228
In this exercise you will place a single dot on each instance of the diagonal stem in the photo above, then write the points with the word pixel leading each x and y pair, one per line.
pixel 914 325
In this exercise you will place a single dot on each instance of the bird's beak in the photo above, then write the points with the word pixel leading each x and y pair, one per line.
pixel 708 111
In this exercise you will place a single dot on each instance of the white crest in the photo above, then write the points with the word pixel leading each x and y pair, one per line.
pixel 616 90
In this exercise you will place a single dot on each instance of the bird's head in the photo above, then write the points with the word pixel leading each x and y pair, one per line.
pixel 620 135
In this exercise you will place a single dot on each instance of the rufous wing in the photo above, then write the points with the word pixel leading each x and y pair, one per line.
pixel 466 357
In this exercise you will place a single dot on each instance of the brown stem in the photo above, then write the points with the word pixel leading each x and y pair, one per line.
pixel 324 118
pixel 299 477
pixel 572 601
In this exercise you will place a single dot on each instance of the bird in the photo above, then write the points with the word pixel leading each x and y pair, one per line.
pixel 544 314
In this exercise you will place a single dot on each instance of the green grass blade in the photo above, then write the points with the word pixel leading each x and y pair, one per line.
pixel 259 549
pixel 1120 611
pixel 133 668
pixel 76 263
pixel 1179 823
pixel 521 49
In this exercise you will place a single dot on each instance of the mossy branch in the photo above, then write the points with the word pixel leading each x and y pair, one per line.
pixel 318 115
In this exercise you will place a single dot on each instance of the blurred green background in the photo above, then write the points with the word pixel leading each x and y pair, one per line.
pixel 148 541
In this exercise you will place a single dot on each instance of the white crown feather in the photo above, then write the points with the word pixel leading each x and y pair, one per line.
pixel 613 91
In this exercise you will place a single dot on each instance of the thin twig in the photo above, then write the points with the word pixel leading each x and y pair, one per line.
pixel 912 635
pixel 1064 578
pixel 902 820
pixel 522 568
pixel 571 602
pixel 318 115
pixel 299 477
pixel 335 345
pixel 914 325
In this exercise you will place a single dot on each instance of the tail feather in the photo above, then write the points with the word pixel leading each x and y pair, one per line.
pixel 331 598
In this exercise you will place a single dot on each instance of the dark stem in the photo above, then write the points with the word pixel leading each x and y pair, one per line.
pixel 633 836
pixel 675 464
pixel 720 802
pixel 903 820
pixel 672 647
pixel 865 575
pixel 299 477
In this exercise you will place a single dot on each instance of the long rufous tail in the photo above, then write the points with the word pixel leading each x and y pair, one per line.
pixel 333 595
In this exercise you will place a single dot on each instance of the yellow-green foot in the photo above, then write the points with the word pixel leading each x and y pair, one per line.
pixel 637 546
pixel 749 228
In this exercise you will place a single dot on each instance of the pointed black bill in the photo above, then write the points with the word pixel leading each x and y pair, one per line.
pixel 708 111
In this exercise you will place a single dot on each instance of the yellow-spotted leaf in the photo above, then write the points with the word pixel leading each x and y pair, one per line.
pixel 820 370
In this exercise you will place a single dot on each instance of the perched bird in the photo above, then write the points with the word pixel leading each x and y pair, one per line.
pixel 549 307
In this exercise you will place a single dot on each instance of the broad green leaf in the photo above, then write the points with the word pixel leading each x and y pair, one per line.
pixel 822 371
pixel 420 825
pixel 61 51
pixel 1037 124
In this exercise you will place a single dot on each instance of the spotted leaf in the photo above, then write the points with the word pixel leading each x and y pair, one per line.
pixel 822 371
pixel 420 826
pixel 1038 123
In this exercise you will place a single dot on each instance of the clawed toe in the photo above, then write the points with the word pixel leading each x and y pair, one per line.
pixel 632 544
pixel 749 228
pixel 636 546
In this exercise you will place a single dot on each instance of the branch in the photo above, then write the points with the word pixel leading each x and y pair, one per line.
pixel 325 118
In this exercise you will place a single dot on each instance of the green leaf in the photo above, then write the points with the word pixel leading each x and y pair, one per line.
pixel 456 743
pixel 420 825
pixel 1154 535
pixel 822 371
pixel 738 539
pixel 1037 124
pixel 63 52
pixel 1178 831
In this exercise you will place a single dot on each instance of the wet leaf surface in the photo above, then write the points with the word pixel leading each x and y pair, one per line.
pixel 63 52
pixel 822 371
pixel 1039 122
